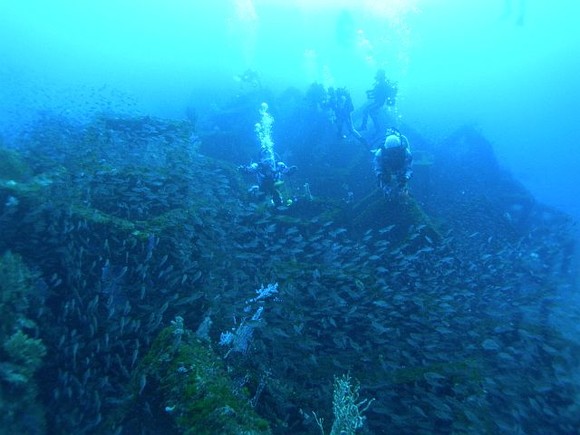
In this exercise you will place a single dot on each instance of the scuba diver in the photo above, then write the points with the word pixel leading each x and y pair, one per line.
pixel 268 170
pixel 269 177
pixel 340 101
pixel 383 91
pixel 392 164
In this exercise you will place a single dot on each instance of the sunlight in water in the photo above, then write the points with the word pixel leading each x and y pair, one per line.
pixel 381 8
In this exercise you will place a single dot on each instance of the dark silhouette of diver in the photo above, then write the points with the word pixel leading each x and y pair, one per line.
pixel 383 92
pixel 340 102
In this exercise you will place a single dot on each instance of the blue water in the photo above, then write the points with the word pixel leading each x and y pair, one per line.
pixel 508 66
pixel 467 322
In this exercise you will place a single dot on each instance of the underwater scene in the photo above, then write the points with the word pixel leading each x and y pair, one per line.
pixel 289 217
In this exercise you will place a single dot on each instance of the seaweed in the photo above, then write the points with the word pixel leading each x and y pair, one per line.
pixel 21 355
pixel 187 381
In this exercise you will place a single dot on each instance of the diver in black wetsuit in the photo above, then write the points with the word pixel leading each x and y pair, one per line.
pixel 383 92
pixel 269 177
pixel 392 164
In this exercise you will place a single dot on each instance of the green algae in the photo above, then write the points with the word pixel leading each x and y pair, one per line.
pixel 191 385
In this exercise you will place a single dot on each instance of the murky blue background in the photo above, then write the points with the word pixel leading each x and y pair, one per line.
pixel 510 67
